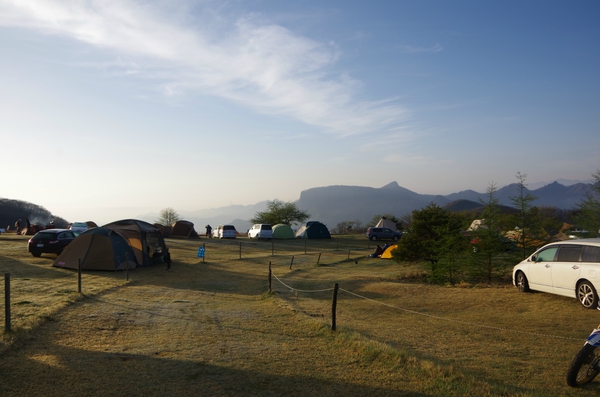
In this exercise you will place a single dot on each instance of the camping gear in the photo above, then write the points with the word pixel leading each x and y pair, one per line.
pixel 115 246
pixel 384 222
pixel 183 229
pixel 282 231
pixel 313 229
pixel 387 253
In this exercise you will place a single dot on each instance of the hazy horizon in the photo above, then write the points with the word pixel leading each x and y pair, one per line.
pixel 124 107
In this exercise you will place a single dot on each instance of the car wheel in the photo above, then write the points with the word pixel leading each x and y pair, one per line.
pixel 522 283
pixel 395 238
pixel 36 254
pixel 587 295
pixel 373 238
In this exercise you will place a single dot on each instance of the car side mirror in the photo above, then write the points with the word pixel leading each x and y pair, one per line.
pixel 534 258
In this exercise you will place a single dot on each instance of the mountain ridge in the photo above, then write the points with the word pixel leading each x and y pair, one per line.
pixel 336 203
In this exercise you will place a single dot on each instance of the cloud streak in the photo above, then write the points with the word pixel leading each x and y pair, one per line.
pixel 263 66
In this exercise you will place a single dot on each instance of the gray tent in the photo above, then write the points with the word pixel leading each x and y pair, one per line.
pixel 313 229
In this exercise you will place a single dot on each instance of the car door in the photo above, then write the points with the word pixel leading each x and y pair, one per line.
pixel 566 268
pixel 540 271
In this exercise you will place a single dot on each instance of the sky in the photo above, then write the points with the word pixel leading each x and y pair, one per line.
pixel 111 109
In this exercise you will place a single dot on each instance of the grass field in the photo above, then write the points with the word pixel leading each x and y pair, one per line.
pixel 210 328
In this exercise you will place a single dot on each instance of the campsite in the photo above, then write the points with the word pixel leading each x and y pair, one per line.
pixel 210 327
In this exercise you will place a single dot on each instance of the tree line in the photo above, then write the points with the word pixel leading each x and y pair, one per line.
pixel 13 210
pixel 456 252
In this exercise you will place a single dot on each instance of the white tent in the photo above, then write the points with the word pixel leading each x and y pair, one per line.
pixel 383 222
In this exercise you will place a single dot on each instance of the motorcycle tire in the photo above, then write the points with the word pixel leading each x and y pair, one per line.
pixel 584 367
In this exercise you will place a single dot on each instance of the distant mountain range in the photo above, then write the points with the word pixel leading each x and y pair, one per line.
pixel 334 204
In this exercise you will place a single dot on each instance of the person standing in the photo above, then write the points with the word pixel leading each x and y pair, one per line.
pixel 18 226
pixel 208 231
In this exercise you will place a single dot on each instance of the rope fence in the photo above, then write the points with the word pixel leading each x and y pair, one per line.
pixel 468 323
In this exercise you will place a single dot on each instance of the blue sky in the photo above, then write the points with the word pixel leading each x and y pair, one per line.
pixel 111 109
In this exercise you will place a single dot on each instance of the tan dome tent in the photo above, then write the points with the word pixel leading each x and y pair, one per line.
pixel 183 229
pixel 282 231
pixel 165 230
pixel 116 246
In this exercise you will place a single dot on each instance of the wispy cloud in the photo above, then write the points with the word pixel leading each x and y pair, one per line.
pixel 260 65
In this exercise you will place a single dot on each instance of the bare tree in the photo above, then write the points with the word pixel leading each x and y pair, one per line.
pixel 168 216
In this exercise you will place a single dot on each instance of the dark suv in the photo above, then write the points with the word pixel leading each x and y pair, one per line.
pixel 51 241
pixel 383 233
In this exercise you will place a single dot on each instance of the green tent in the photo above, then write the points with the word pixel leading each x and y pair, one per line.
pixel 313 229
pixel 282 231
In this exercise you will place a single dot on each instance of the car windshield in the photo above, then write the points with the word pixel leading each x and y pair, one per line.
pixel 228 227
pixel 266 227
pixel 79 224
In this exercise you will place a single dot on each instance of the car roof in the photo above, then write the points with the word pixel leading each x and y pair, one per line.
pixel 578 241
pixel 55 231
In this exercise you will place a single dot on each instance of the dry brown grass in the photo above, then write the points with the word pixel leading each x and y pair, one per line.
pixel 209 328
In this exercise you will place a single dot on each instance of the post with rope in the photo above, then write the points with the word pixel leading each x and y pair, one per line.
pixel 240 250
pixel 7 327
pixel 334 306
pixel 79 275
pixel 348 254
pixel 318 259
pixel 269 277
pixel 292 262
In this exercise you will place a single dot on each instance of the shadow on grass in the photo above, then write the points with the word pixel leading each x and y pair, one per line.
pixel 74 372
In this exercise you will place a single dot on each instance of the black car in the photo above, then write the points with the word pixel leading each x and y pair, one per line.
pixel 50 241
pixel 383 233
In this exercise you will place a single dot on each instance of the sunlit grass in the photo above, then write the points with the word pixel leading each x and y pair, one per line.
pixel 210 327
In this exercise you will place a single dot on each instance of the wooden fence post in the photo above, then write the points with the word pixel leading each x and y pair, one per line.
pixel 348 254
pixel 272 247
pixel 240 250
pixel 319 258
pixel 269 277
pixel 7 326
pixel 305 246
pixel 292 262
pixel 334 306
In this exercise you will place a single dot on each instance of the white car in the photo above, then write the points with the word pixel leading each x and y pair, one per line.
pixel 569 268
pixel 79 227
pixel 260 230
pixel 225 231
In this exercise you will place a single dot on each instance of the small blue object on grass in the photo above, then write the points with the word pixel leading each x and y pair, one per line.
pixel 201 252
